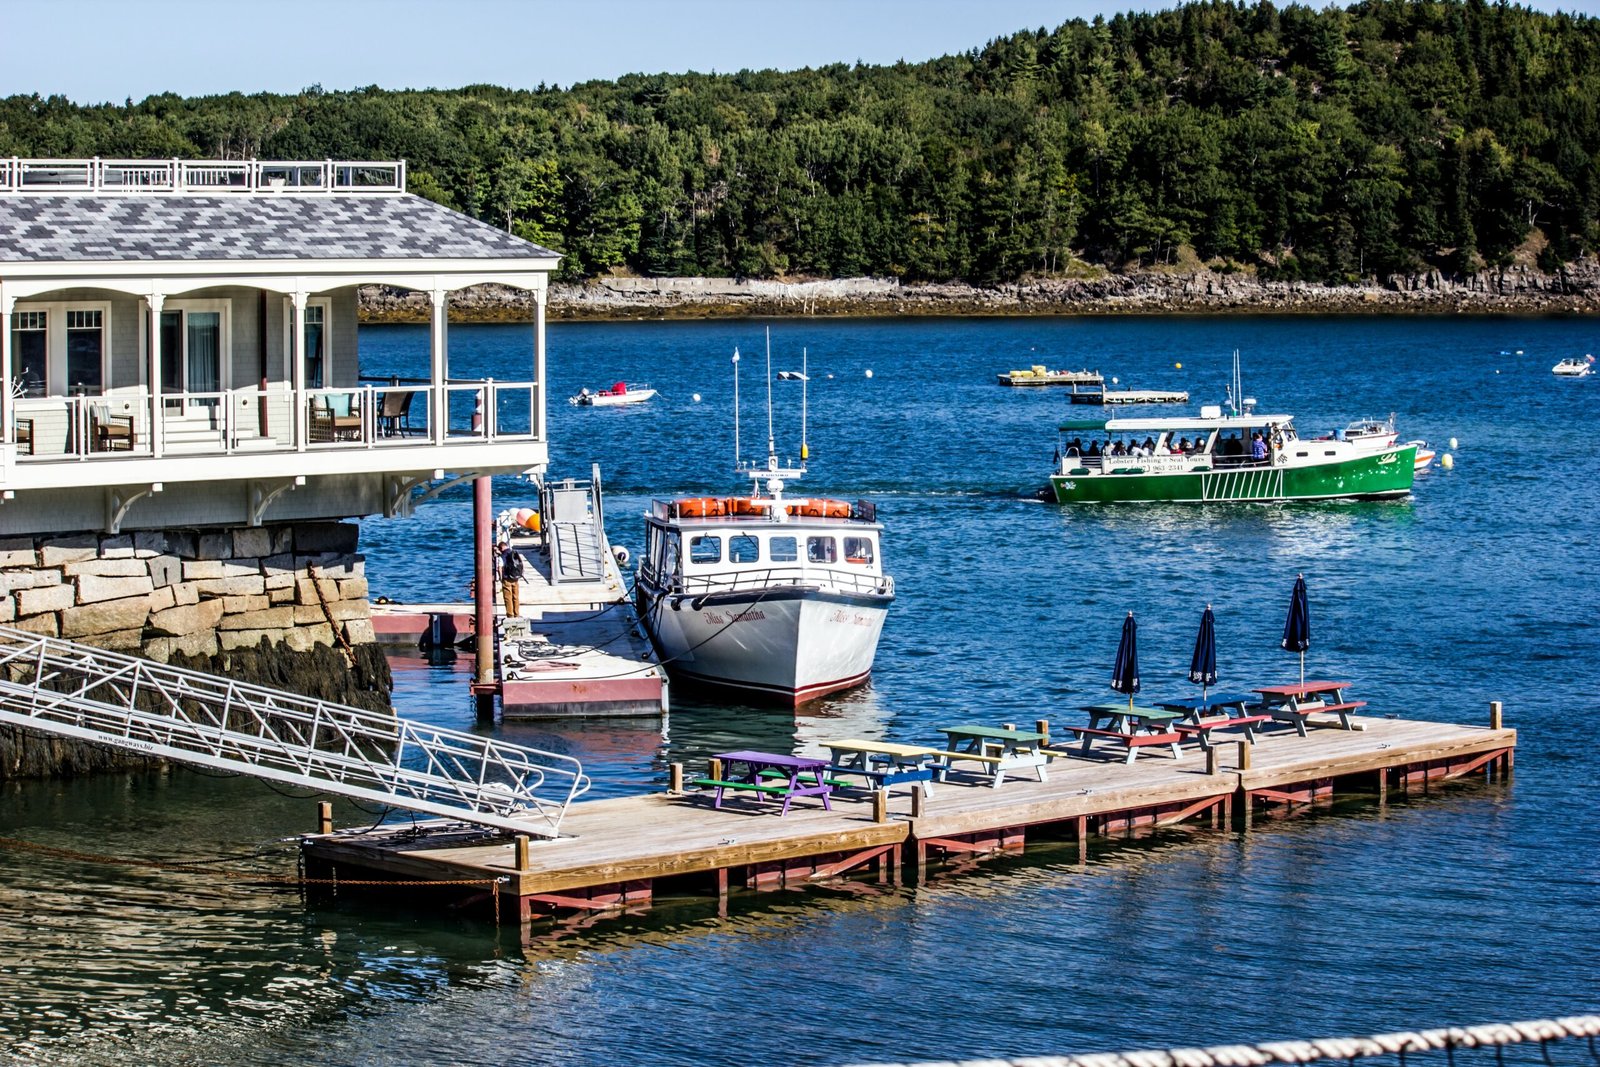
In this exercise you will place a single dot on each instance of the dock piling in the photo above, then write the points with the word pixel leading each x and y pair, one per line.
pixel 675 778
pixel 1496 715
pixel 1042 726
pixel 715 769
pixel 918 803
pixel 880 805
pixel 521 843
pixel 324 817
pixel 1211 759
pixel 1244 755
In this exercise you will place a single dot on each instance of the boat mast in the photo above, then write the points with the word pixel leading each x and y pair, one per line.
pixel 772 448
pixel 805 384
pixel 737 461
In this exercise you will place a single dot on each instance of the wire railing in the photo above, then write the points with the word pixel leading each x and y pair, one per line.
pixel 156 176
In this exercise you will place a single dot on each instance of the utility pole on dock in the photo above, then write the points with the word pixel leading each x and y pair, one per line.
pixel 483 585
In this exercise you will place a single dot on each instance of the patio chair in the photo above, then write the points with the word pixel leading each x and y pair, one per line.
pixel 394 416
pixel 108 432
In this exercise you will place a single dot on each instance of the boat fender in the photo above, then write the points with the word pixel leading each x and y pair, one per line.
pixel 697 603
pixel 621 554
pixel 675 602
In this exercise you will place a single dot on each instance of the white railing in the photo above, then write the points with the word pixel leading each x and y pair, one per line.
pixel 836 578
pixel 201 176
pixel 117 424
pixel 71 690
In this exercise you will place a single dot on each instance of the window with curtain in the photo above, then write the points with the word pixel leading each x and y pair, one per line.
pixel 315 326
pixel 30 351
pixel 203 335
pixel 86 351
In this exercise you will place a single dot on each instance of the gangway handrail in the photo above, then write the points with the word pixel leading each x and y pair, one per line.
pixel 68 689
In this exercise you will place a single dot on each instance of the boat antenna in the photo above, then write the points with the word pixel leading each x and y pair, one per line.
pixel 772 448
pixel 737 461
pixel 805 384
pixel 1236 395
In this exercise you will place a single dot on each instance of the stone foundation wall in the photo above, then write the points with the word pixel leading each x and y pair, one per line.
pixel 284 606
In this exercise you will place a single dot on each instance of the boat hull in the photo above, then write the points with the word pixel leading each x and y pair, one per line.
pixel 785 644
pixel 1373 476
pixel 611 400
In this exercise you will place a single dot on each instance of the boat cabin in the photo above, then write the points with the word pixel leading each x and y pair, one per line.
pixel 1089 446
pixel 181 344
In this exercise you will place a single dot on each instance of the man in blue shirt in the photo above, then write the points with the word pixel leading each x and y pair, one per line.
pixel 1258 447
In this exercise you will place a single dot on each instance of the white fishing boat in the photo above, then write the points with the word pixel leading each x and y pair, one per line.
pixel 619 393
pixel 779 597
pixel 1574 367
pixel 1425 455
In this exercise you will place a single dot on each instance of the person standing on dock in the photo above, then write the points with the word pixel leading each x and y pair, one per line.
pixel 510 579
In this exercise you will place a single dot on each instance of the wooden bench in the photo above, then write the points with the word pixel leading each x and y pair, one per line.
pixel 805 778
pixel 719 784
pixel 883 778
pixel 1134 742
pixel 1298 715
pixel 1201 731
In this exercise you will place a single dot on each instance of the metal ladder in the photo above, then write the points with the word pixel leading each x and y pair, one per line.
pixel 72 690
pixel 575 529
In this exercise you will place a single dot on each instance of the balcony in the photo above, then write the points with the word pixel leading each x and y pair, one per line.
pixel 146 176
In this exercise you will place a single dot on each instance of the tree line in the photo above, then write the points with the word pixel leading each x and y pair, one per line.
pixel 1332 145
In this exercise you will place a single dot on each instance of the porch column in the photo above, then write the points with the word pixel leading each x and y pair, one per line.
pixel 153 304
pixel 538 398
pixel 439 350
pixel 8 403
pixel 297 371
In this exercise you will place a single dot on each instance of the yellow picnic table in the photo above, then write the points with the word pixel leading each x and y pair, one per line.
pixel 896 763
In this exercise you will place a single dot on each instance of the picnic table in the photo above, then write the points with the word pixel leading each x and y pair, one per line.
pixel 998 749
pixel 1296 703
pixel 1134 727
pixel 770 774
pixel 885 763
pixel 1215 711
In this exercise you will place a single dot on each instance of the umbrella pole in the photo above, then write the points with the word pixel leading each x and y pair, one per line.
pixel 1302 668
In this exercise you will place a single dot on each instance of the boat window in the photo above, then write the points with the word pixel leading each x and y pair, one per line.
pixel 822 550
pixel 744 548
pixel 783 550
pixel 669 554
pixel 858 550
pixel 705 549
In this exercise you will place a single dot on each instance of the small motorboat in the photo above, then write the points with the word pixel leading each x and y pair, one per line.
pixel 1425 455
pixel 619 393
pixel 1574 367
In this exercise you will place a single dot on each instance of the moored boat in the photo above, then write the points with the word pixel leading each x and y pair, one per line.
pixel 1239 457
pixel 619 393
pixel 1038 374
pixel 1574 367
pixel 1425 455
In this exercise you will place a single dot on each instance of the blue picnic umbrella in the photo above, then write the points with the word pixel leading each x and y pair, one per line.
pixel 1203 665
pixel 1125 672
pixel 1297 627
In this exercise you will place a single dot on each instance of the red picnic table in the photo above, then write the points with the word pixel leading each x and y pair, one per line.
pixel 1295 703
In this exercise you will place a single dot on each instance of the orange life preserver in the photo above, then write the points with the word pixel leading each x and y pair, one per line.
pixel 820 509
pixel 743 505
pixel 700 507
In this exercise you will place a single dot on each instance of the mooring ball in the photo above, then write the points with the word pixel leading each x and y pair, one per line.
pixel 1453 443
pixel 869 372
pixel 1447 461
pixel 697 398
pixel 1178 365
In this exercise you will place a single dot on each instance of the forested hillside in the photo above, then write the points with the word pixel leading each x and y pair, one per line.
pixel 1326 145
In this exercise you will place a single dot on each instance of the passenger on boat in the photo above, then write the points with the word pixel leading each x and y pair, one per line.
pixel 1094 450
pixel 1258 447
pixel 1149 446
pixel 1183 447
pixel 1119 449
pixel 1076 447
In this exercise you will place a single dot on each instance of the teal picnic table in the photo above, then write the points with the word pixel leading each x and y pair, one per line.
pixel 1131 725
pixel 998 749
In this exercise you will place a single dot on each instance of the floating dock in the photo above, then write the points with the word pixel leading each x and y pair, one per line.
pixel 619 853
pixel 1038 375
pixel 1129 396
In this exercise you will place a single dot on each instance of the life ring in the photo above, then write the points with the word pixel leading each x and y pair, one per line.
pixel 701 507
pixel 743 505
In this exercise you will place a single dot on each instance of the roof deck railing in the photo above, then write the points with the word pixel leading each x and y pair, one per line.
pixel 189 176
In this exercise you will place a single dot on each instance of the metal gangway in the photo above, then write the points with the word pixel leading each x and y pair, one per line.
pixel 575 530
pixel 71 690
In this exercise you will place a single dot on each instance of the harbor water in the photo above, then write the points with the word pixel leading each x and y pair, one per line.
pixel 1473 903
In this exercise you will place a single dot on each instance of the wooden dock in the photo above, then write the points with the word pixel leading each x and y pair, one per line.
pixel 620 852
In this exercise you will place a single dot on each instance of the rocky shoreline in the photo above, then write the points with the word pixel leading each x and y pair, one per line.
pixel 1513 290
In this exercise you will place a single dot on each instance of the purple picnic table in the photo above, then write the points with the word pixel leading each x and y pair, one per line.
pixel 756 762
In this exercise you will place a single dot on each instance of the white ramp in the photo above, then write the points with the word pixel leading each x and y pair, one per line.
pixel 72 690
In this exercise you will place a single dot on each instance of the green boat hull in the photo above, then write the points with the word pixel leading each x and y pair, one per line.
pixel 1384 474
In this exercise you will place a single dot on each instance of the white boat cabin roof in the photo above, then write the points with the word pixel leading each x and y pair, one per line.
pixel 1190 424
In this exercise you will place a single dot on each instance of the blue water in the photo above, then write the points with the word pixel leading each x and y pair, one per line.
pixel 1475 903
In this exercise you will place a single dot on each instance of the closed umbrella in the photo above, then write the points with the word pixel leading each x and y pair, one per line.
pixel 1203 665
pixel 1125 672
pixel 1297 627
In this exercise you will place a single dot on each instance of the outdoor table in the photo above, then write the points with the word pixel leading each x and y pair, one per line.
pixel 998 748
pixel 1295 703
pixel 896 763
pixel 1134 726
pixel 1196 708
pixel 791 767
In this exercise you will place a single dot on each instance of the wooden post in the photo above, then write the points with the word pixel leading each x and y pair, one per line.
pixel 715 766
pixel 1383 786
pixel 675 778
pixel 1496 715
pixel 324 817
pixel 880 805
pixel 1042 726
pixel 1244 755
pixel 521 844
pixel 1083 839
pixel 1008 725
pixel 918 801
pixel 1211 759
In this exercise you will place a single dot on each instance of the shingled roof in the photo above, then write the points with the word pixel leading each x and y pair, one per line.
pixel 47 229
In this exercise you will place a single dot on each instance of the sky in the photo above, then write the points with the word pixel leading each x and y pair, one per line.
pixel 112 50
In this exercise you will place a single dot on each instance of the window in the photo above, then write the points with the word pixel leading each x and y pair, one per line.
pixel 858 550
pixel 744 548
pixel 316 320
pixel 669 554
pixel 86 351
pixel 192 350
pixel 705 549
pixel 783 550
pixel 822 550
pixel 29 352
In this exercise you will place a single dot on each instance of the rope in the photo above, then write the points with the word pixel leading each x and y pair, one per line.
pixel 1492 1035
pixel 327 613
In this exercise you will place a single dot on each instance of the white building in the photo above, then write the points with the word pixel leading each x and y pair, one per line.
pixel 182 346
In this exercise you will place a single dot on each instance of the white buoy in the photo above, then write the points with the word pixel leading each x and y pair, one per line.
pixel 1453 443
pixel 697 398
pixel 1447 461
pixel 830 376
pixel 869 372
pixel 1113 381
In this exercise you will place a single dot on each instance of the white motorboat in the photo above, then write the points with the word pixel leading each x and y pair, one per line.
pixel 777 597
pixel 619 393
pixel 1574 367
pixel 1425 455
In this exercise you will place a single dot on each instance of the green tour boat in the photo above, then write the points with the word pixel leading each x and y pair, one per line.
pixel 1240 457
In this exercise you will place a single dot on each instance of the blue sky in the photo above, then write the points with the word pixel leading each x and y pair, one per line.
pixel 115 49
